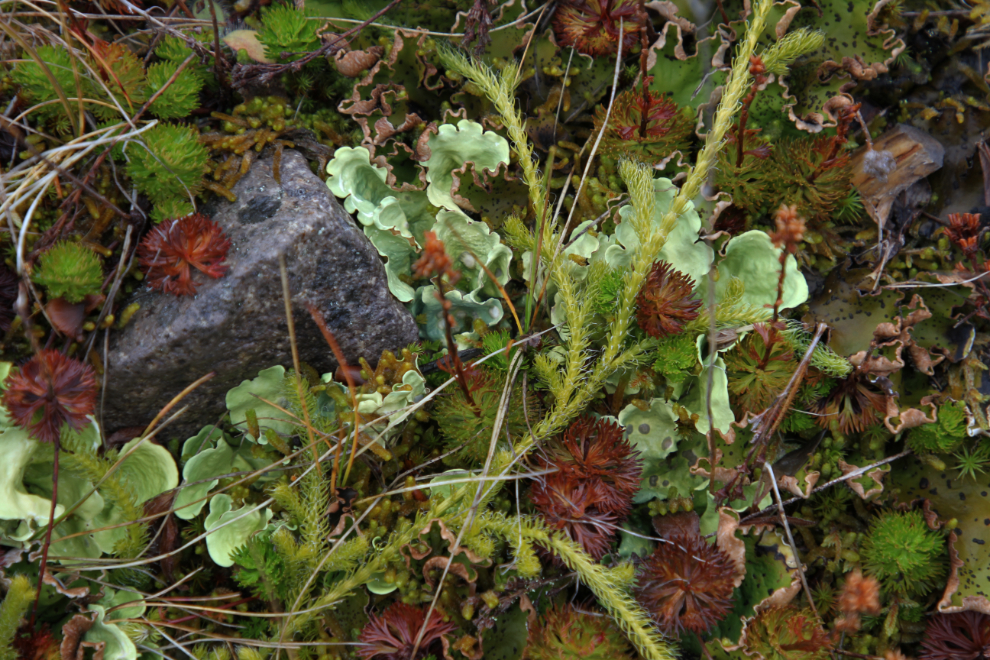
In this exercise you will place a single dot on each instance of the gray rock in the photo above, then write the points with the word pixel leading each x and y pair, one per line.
pixel 236 325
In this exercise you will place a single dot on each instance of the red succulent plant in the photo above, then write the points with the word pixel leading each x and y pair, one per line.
pixel 170 252
pixel 592 27
pixel 571 505
pixel 597 450
pixel 48 391
pixel 392 635
pixel 665 302
pixel 957 636
pixel 687 584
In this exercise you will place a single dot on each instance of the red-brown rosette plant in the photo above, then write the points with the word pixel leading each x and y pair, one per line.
pixel 665 303
pixel 50 390
pixel 853 404
pixel 686 584
pixel 957 636
pixel 592 27
pixel 591 492
pixel 597 450
pixel 392 635
pixel 570 504
pixel 170 251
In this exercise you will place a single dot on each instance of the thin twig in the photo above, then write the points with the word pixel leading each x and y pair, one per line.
pixel 287 297
pixel 790 540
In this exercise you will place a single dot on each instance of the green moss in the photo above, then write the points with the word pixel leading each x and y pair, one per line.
pixel 285 29
pixel 496 341
pixel 608 292
pixel 177 207
pixel 180 98
pixel 945 435
pixel 676 357
pixel 903 553
pixel 70 271
pixel 171 167
pixel 35 87
pixel 470 434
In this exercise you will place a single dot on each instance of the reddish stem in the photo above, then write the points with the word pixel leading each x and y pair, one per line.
pixel 455 357
pixel 741 129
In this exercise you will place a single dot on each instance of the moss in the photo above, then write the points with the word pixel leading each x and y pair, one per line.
pixel 945 435
pixel 15 605
pixel 180 98
pixel 285 29
pixel 903 553
pixel 70 271
pixel 171 167
pixel 676 357
pixel 468 434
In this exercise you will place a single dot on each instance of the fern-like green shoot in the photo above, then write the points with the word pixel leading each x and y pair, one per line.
pixel 791 46
pixel 260 567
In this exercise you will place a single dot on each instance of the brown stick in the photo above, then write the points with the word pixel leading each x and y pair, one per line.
pixel 345 368
pixel 286 293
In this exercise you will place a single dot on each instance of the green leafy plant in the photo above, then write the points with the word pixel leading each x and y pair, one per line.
pixel 903 553
pixel 71 271
pixel 786 633
pixel 286 30
pixel 169 165
pixel 180 98
pixel 467 430
pixel 260 567
pixel 566 633
pixel 972 463
pixel 945 435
